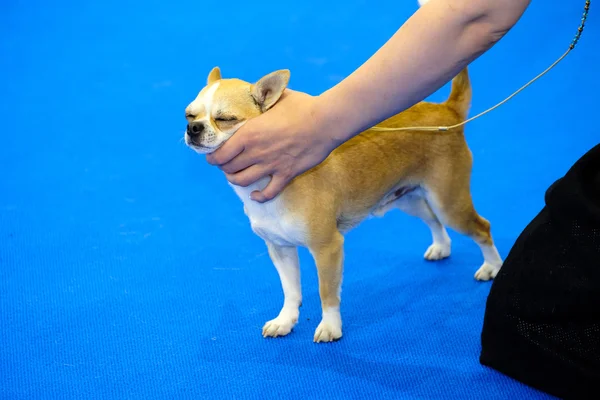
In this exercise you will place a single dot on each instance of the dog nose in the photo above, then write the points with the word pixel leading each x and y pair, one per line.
pixel 195 128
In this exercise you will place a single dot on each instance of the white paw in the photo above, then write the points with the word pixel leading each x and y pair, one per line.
pixel 437 251
pixel 280 326
pixel 328 331
pixel 487 272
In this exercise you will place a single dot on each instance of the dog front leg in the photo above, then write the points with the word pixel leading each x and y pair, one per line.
pixel 287 264
pixel 329 257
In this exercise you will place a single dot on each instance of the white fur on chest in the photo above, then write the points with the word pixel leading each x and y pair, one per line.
pixel 271 221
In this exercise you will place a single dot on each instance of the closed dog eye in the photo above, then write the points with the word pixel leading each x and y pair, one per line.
pixel 226 119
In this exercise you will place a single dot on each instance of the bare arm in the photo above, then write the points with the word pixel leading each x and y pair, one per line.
pixel 438 41
pixel 300 131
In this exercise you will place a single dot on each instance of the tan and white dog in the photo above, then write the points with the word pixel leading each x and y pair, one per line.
pixel 425 174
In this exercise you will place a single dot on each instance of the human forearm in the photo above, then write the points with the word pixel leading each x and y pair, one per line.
pixel 300 131
pixel 439 40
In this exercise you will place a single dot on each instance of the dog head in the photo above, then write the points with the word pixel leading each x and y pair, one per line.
pixel 224 105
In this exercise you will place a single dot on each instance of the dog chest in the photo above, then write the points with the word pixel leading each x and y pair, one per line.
pixel 271 224
pixel 271 221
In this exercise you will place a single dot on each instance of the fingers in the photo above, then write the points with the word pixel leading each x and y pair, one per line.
pixel 238 164
pixel 227 152
pixel 278 182
pixel 248 176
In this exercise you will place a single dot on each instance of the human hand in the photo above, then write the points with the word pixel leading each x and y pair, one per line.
pixel 284 142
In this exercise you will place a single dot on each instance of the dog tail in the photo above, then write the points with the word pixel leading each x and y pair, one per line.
pixel 460 94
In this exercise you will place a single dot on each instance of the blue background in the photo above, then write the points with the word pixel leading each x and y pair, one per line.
pixel 127 267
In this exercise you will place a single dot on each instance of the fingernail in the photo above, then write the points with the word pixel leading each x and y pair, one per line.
pixel 256 197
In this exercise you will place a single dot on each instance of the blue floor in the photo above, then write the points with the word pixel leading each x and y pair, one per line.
pixel 127 267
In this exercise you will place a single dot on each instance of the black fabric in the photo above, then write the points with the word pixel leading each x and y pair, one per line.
pixel 542 317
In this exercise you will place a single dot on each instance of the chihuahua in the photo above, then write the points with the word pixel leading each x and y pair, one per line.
pixel 423 173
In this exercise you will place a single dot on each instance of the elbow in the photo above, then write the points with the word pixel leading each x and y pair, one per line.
pixel 502 15
pixel 494 18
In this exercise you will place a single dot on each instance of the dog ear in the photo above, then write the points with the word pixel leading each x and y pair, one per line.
pixel 214 75
pixel 269 88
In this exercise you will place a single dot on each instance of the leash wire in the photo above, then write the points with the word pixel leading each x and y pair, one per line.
pixel 446 128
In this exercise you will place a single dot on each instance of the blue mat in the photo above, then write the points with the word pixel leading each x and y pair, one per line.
pixel 127 267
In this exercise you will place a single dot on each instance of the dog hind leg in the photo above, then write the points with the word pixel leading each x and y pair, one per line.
pixel 415 205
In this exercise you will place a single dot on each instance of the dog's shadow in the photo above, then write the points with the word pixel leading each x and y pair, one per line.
pixel 398 334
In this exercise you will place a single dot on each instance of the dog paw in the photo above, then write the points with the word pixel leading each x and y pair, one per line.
pixel 280 326
pixel 437 251
pixel 328 331
pixel 487 272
